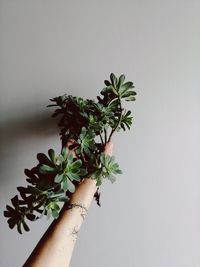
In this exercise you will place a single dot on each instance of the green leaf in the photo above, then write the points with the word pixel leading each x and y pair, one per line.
pixel 64 184
pixel 82 172
pixel 19 228
pixel 125 87
pixel 58 178
pixel 126 120
pixel 99 181
pixel 64 152
pixel 109 167
pixel 55 206
pixel 26 228
pixel 34 190
pixel 112 178
pixel 97 175
pixel 70 157
pixel 43 159
pixel 130 98
pixel 113 79
pixel 121 80
pixel 31 217
pixel 51 154
pixel 55 214
pixel 46 169
pixel 76 164
pixel 63 199
pixel 60 159
pixel 126 92
pixel 72 176
pixel 107 83
pixel 15 201
pixel 86 141
pixel 70 186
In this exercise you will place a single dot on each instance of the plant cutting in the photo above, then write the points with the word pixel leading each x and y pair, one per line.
pixel 85 127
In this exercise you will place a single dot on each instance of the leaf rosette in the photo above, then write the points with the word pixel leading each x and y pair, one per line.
pixel 90 124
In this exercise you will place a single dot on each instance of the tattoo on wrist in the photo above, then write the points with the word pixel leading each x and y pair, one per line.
pixel 82 208
pixel 83 215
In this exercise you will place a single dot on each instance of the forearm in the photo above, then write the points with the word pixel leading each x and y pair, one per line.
pixel 56 246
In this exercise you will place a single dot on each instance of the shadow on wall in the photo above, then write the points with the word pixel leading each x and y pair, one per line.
pixel 14 132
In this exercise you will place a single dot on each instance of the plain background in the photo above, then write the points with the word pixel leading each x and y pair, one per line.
pixel 151 216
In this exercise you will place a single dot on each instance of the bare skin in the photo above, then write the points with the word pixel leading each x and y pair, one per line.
pixel 56 246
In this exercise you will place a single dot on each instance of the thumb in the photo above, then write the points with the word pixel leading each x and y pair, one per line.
pixel 108 149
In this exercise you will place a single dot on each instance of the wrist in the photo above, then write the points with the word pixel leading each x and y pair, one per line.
pixel 84 193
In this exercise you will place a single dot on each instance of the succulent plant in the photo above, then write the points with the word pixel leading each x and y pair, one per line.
pixel 85 127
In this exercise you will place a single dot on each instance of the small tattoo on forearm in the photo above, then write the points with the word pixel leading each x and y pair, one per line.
pixel 83 209
pixel 83 214
pixel 74 231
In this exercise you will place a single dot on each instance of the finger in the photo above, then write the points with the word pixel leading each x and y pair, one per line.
pixel 69 143
pixel 109 148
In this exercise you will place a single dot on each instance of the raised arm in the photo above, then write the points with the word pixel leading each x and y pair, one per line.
pixel 56 246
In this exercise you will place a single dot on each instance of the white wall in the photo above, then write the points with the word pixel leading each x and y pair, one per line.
pixel 151 216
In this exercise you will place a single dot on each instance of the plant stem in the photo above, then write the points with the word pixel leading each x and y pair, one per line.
pixel 105 133
pixel 118 122
pixel 101 138
pixel 113 100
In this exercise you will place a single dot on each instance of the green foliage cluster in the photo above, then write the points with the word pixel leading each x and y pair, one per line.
pixel 85 127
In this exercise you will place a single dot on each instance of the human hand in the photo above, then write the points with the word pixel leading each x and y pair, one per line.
pixel 86 189
pixel 108 149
